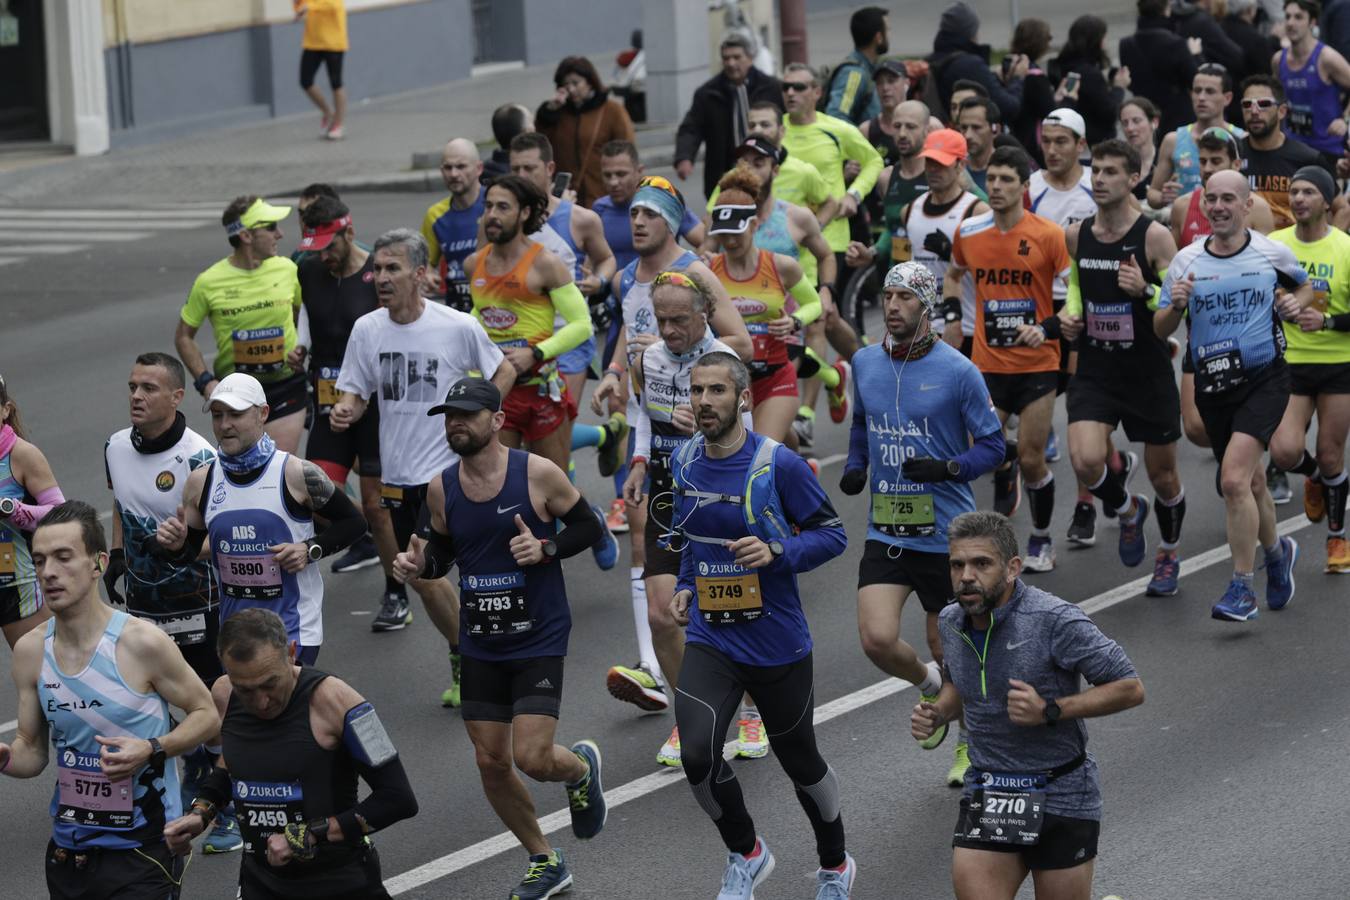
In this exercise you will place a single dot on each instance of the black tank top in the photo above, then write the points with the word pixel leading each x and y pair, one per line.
pixel 884 143
pixel 1118 337
pixel 281 775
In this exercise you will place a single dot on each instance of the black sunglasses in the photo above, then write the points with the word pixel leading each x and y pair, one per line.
pixel 795 86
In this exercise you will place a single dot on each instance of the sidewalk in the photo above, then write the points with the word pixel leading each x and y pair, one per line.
pixel 279 156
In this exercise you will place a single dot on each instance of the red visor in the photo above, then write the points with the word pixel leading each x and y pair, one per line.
pixel 318 238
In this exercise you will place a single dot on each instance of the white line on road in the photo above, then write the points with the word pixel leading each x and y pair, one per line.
pixel 8 726
pixel 100 236
pixel 638 788
pixel 44 249
pixel 202 215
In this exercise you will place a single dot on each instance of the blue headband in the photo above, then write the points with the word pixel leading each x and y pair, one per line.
pixel 663 204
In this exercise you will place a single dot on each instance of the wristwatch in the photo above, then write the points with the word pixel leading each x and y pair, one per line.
pixel 7 506
pixel 318 828
pixel 538 354
pixel 776 548
pixel 852 192
pixel 157 754
pixel 550 549
pixel 202 380
pixel 315 552
pixel 796 324
pixel 953 468
pixel 1326 326
pixel 1052 713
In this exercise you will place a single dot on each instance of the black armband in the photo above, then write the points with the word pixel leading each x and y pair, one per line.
pixel 1051 326
pixel 440 555
pixel 391 800
pixel 1339 322
pixel 346 524
pixel 951 309
pixel 582 530
pixel 215 787
pixel 192 545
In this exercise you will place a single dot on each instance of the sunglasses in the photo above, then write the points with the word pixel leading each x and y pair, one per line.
pixel 793 87
pixel 1260 103
pixel 1212 69
pixel 679 279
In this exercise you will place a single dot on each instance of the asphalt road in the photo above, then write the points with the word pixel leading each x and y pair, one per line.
pixel 1213 789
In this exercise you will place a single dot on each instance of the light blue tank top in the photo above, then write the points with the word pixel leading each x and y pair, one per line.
pixel 16 562
pixel 772 234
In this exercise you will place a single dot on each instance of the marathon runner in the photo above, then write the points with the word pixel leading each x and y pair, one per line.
pixel 450 226
pixel 1269 156
pixel 1015 256
pixel 294 740
pixel 1177 170
pixel 1314 74
pixel 892 82
pixel 664 421
pixel 748 518
pixel 494 513
pixel 1032 799
pixel 109 724
pixel 1124 373
pixel 251 299
pixel 900 183
pixel 256 506
pixel 1319 361
pixel 407 353
pixel 338 285
pixel 28 491
pixel 1234 283
pixel 759 282
pixel 926 440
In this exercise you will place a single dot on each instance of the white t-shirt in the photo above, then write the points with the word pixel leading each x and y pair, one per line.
pixel 1061 207
pixel 412 367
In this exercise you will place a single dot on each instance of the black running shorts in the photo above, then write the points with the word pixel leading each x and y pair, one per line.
pixel 929 574
pixel 1149 408
pixel 1315 379
pixel 1065 842
pixel 1254 407
pixel 1014 393
pixel 500 690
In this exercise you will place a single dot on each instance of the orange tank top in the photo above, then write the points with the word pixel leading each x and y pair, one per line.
pixel 759 299
pixel 512 314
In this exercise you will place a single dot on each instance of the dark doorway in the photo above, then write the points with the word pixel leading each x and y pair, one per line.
pixel 23 72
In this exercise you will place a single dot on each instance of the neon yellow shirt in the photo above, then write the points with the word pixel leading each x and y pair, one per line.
pixel 252 313
pixel 827 143
pixel 1327 263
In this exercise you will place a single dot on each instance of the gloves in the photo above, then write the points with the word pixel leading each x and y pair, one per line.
pixel 925 468
pixel 853 481
pixel 937 243
pixel 117 567
pixel 602 309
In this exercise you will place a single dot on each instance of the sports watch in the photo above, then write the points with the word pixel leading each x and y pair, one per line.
pixel 157 754
pixel 1052 713
pixel 550 549
pixel 776 548
pixel 315 552
pixel 7 506
pixel 318 828
pixel 953 468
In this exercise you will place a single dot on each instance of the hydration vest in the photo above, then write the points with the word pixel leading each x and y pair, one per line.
pixel 760 504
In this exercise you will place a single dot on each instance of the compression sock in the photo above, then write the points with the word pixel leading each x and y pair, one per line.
pixel 1170 514
pixel 641 626
pixel 393 587
pixel 1042 497
pixel 587 436
pixel 1307 466
pixel 828 374
pixel 1110 490
pixel 1336 490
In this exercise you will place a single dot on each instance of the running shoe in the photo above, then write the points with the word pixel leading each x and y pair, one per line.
pixel 605 550
pixel 638 686
pixel 956 775
pixel 1052 447
pixel 450 696
pixel 1338 555
pixel 1008 489
pixel 751 742
pixel 1280 576
pixel 360 555
pixel 1133 543
pixel 669 754
pixel 610 453
pixel 336 134
pixel 1166 570
pixel 617 520
pixel 1040 555
pixel 1129 463
pixel 835 885
pixel 547 876
pixel 743 874
pixel 224 837
pixel 1314 499
pixel 1238 604
pixel 1277 482
pixel 805 428
pixel 324 124
pixel 394 614
pixel 838 395
pixel 1083 527
pixel 586 798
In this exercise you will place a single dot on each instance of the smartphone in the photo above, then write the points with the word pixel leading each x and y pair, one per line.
pixel 1071 82
pixel 1007 66
pixel 560 183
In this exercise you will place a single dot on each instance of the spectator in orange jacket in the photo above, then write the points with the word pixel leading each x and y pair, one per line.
pixel 578 121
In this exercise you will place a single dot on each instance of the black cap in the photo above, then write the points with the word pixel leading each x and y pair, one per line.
pixel 763 146
pixel 894 66
pixel 469 395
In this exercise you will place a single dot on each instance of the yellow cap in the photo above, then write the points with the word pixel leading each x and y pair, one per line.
pixel 263 213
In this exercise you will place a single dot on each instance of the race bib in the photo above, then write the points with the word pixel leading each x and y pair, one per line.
pixel 1002 318
pixel 494 605
pixel 85 795
pixel 266 808
pixel 1219 366
pixel 729 599
pixel 185 630
pixel 1110 326
pixel 1008 809
pixel 904 515
pixel 458 295
pixel 1300 120
pixel 249 576
pixel 901 249
pixel 259 351
pixel 391 496
pixel 325 388
pixel 9 563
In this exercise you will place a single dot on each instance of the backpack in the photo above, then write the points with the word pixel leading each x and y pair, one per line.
pixel 760 504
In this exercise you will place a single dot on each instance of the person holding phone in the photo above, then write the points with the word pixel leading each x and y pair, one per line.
pixel 1084 86
pixel 578 120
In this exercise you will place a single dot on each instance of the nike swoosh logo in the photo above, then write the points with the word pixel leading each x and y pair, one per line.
pixel 1129 248
pixel 1012 646
pixel 929 387
pixel 500 511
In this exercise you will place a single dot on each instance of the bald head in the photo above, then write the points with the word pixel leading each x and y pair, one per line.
pixel 460 147
pixel 1229 181
pixel 1226 203
pixel 910 122
pixel 460 168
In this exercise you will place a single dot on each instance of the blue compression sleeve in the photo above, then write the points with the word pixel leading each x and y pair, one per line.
pixel 984 455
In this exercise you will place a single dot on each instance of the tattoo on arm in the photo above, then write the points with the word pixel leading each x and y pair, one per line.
pixel 318 486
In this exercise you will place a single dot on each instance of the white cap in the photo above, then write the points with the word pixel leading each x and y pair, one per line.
pixel 1068 118
pixel 239 392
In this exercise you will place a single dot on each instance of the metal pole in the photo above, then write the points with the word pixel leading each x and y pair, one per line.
pixel 792 26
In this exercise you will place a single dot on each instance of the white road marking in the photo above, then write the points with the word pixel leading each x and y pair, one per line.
pixel 44 249
pixel 94 215
pixel 640 787
pixel 97 236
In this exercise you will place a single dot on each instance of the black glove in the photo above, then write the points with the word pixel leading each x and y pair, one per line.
pixel 853 481
pixel 117 567
pixel 937 243
pixel 602 311
pixel 925 468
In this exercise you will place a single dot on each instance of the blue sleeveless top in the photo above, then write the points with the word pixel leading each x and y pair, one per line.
pixel 506 611
pixel 88 809
pixel 772 234
pixel 1186 156
pixel 1313 104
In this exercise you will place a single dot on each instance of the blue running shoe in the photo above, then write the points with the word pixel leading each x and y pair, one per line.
pixel 224 837
pixel 1166 570
pixel 1133 544
pixel 1238 604
pixel 744 875
pixel 1280 576
pixel 832 885
pixel 587 796
pixel 546 877
pixel 606 550
pixel 1052 447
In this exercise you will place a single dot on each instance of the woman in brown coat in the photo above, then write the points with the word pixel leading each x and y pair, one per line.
pixel 578 122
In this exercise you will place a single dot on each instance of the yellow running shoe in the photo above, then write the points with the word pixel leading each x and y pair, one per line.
pixel 751 742
pixel 956 775
pixel 1338 555
pixel 450 696
pixel 669 754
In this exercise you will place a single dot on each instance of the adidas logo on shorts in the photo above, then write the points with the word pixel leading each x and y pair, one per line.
pixel 545 684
